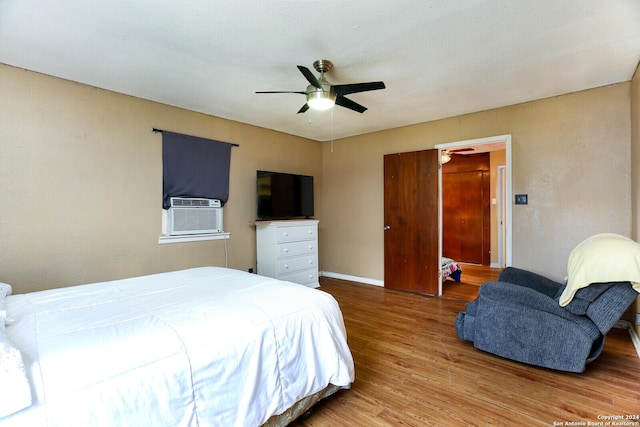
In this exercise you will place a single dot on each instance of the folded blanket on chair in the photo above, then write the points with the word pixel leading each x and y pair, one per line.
pixel 602 258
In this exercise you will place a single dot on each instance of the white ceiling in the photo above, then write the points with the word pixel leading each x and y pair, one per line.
pixel 438 58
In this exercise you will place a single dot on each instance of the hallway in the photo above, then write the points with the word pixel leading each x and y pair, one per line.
pixel 472 277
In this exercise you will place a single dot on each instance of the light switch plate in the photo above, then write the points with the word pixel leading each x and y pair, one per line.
pixel 522 199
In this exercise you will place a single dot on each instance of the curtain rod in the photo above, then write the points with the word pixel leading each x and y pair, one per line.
pixel 160 130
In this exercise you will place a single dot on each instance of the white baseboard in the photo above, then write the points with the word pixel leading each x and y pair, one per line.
pixel 635 339
pixel 351 278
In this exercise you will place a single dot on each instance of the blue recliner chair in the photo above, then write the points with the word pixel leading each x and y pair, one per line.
pixel 519 318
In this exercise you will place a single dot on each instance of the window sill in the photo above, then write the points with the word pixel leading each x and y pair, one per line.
pixel 165 238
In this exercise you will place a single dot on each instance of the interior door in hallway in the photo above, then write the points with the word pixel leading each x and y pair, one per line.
pixel 466 209
pixel 411 246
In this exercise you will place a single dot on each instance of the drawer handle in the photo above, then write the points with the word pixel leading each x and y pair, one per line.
pixel 286 250
pixel 286 234
pixel 286 267
pixel 310 246
pixel 310 261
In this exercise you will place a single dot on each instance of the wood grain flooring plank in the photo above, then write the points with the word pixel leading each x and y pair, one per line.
pixel 413 370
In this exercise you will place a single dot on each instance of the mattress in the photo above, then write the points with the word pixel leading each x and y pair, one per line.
pixel 204 346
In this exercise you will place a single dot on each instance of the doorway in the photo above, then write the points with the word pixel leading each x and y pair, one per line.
pixel 466 208
pixel 412 258
pixel 503 223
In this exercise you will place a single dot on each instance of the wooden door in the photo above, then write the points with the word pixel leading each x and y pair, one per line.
pixel 411 246
pixel 466 209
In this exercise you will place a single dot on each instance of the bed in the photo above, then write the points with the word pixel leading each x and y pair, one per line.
pixel 450 268
pixel 206 346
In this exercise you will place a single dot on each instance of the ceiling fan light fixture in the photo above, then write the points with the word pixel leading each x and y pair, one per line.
pixel 321 99
pixel 445 157
pixel 322 95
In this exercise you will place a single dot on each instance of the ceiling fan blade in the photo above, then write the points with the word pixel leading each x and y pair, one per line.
pixel 347 103
pixel 282 91
pixel 304 108
pixel 309 76
pixel 357 87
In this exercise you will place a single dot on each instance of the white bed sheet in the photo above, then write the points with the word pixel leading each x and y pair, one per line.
pixel 200 347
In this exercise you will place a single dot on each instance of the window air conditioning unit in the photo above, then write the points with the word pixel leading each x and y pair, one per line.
pixel 194 216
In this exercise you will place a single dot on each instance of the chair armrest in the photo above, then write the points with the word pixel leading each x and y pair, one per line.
pixel 528 279
pixel 609 307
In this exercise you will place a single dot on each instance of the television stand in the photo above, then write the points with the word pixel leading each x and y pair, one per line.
pixel 288 250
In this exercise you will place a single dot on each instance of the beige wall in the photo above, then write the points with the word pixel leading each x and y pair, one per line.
pixel 635 161
pixel 81 176
pixel 570 154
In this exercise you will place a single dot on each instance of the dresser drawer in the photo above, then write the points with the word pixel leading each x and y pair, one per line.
pixel 285 266
pixel 291 249
pixel 293 234
pixel 305 277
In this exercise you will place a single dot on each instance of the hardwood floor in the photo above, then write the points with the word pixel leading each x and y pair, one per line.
pixel 413 370
pixel 470 280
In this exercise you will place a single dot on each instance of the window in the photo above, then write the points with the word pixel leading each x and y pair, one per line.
pixel 195 184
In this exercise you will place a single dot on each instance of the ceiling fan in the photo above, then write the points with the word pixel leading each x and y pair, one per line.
pixel 461 150
pixel 322 95
pixel 446 154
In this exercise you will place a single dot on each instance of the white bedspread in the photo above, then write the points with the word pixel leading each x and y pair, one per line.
pixel 200 347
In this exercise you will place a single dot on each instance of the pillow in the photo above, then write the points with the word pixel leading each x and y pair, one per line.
pixel 602 258
pixel 15 392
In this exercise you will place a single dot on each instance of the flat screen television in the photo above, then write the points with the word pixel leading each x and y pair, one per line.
pixel 284 195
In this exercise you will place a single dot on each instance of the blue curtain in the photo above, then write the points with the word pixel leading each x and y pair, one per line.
pixel 194 167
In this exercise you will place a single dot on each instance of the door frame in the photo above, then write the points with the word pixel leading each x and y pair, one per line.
pixel 502 217
pixel 488 141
